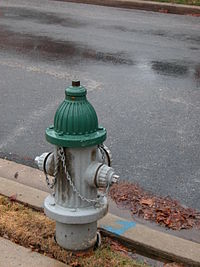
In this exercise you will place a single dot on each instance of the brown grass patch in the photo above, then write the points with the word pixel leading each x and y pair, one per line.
pixel 33 229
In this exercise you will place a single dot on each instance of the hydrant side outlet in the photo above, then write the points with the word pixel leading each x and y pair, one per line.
pixel 80 164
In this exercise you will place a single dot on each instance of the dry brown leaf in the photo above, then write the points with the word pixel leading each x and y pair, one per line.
pixel 148 201
pixel 13 197
pixel 75 264
pixel 162 210
pixel 173 264
pixel 118 247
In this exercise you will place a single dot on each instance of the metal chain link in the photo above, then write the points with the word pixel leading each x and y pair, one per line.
pixel 61 155
pixel 49 184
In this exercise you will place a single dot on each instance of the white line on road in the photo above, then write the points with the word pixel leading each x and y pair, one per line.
pixel 25 126
pixel 89 83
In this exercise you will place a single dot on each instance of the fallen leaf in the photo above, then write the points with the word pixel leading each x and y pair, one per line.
pixel 83 253
pixel 118 247
pixel 13 197
pixel 123 198
pixel 163 10
pixel 148 201
pixel 173 264
pixel 162 210
pixel 16 175
pixel 195 15
pixel 75 264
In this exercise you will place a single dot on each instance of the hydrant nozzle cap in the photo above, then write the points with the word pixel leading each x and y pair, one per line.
pixel 75 90
pixel 76 83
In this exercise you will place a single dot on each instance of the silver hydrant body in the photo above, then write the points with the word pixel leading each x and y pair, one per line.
pixel 81 166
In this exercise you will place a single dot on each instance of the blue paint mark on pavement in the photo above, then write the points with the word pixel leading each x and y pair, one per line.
pixel 126 225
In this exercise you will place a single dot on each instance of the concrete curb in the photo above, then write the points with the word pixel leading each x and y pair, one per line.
pixel 144 5
pixel 150 242
pixel 144 239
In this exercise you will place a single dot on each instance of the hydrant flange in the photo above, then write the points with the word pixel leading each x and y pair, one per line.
pixel 75 215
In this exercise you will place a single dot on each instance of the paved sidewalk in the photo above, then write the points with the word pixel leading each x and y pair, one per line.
pixel 144 5
pixel 140 237
pixel 13 255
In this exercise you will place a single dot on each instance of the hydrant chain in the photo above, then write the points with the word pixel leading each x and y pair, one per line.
pixel 61 154
pixel 49 184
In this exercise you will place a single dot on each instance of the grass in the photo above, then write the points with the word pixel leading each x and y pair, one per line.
pixel 33 229
pixel 183 2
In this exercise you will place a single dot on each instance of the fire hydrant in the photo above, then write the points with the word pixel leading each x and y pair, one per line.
pixel 81 166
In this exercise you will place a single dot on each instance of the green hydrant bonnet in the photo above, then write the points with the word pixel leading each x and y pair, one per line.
pixel 75 121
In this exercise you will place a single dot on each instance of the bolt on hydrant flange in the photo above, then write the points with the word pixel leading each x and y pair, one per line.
pixel 80 165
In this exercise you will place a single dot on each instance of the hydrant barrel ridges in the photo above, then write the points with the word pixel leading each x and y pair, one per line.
pixel 75 122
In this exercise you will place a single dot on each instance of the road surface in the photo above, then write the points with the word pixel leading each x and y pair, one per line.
pixel 142 71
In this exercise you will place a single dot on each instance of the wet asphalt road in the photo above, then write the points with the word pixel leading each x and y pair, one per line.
pixel 142 71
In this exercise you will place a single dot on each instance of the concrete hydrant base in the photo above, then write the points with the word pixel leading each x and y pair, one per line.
pixel 76 229
pixel 76 236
